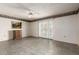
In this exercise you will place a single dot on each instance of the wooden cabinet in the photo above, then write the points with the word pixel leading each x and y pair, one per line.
pixel 17 34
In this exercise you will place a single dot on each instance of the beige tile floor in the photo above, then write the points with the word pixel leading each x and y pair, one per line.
pixel 37 46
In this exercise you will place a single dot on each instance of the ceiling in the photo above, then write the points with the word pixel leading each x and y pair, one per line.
pixel 31 11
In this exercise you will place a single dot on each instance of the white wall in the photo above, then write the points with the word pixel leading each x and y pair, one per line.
pixel 78 28
pixel 5 27
pixel 30 29
pixel 25 28
pixel 34 29
pixel 64 29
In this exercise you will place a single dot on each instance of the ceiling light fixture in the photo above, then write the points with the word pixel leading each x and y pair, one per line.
pixel 30 15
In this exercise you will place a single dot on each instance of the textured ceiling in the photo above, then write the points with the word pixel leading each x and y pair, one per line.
pixel 39 10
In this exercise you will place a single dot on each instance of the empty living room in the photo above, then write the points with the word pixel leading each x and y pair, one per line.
pixel 39 28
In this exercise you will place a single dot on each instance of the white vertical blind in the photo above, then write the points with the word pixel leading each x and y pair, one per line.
pixel 46 29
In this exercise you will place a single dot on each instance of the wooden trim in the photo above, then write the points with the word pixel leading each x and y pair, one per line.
pixel 15 18
pixel 78 10
pixel 52 16
pixel 59 15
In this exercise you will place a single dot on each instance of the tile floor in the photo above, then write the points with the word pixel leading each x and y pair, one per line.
pixel 37 46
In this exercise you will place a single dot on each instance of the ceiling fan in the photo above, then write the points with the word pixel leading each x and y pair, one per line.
pixel 29 11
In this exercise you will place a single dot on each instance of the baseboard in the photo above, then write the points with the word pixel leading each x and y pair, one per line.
pixel 49 39
pixel 52 39
pixel 38 37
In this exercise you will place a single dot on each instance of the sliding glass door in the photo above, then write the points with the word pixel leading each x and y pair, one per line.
pixel 46 29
